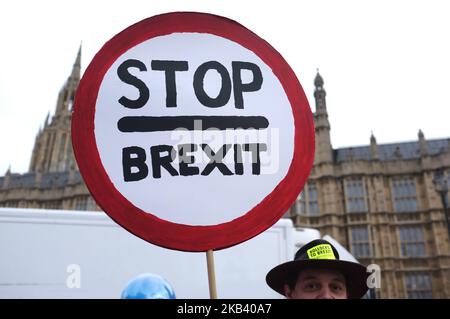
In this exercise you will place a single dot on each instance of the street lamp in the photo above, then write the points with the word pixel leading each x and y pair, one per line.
pixel 441 186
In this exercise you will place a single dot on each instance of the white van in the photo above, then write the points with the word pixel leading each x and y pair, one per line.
pixel 78 254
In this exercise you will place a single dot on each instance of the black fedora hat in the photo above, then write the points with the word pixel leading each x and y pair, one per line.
pixel 320 254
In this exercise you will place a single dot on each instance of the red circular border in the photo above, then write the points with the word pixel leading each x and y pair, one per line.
pixel 145 225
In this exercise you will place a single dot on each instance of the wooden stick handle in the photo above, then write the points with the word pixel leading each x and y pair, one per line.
pixel 211 274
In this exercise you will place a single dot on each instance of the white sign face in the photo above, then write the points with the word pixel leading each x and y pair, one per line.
pixel 193 128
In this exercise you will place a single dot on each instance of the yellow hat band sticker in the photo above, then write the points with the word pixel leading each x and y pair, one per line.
pixel 323 251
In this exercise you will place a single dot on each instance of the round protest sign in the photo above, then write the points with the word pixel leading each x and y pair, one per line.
pixel 192 132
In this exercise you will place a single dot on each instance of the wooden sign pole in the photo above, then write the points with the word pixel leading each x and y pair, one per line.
pixel 211 274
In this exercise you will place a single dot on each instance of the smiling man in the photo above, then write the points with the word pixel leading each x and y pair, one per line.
pixel 317 273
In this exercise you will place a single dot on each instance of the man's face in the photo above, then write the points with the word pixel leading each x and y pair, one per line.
pixel 318 284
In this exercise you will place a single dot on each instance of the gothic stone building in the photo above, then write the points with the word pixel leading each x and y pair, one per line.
pixel 53 180
pixel 379 200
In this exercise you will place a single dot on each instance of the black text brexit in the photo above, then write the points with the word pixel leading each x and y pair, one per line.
pixel 178 161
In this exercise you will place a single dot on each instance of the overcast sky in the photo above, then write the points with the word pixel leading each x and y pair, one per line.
pixel 386 64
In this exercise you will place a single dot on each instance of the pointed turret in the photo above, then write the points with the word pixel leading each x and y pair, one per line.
pixel 373 147
pixel 7 178
pixel 322 126
pixel 67 93
pixel 46 123
pixel 77 66
pixel 319 95
pixel 422 144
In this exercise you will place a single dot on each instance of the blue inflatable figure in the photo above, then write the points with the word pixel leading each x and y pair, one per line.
pixel 148 286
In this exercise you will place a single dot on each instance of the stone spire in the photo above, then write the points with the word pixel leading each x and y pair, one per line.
pixel 422 144
pixel 319 95
pixel 373 147
pixel 7 178
pixel 76 69
pixel 46 123
pixel 321 123
pixel 67 93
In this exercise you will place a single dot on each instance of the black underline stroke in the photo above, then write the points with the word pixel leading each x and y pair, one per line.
pixel 131 124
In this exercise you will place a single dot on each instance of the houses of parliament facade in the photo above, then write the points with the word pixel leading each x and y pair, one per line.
pixel 378 200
